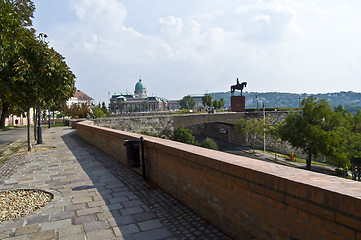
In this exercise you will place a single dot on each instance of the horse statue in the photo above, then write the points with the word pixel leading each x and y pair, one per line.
pixel 238 86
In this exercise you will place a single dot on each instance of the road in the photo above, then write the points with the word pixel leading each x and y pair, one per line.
pixel 9 136
pixel 224 146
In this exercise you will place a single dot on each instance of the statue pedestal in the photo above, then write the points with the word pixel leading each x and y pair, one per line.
pixel 238 104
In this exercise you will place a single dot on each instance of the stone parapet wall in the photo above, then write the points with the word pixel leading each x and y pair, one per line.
pixel 219 126
pixel 245 198
pixel 159 125
pixel 164 124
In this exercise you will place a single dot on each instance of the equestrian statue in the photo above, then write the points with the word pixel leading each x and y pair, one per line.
pixel 238 86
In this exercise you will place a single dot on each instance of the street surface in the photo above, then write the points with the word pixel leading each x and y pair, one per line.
pixel 9 136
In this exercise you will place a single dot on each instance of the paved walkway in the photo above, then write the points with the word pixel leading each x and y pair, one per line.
pixel 94 197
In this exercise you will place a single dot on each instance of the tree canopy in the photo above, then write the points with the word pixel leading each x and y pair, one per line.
pixel 31 73
pixel 207 100
pixel 218 103
pixel 317 129
pixel 187 102
pixel 254 128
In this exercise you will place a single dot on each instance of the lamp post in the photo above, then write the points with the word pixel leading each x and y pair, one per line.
pixel 40 135
pixel 257 102
pixel 299 102
pixel 49 122
pixel 41 37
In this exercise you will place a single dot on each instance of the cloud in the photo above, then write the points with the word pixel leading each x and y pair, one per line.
pixel 268 21
pixel 190 47
pixel 263 18
pixel 97 12
pixel 171 25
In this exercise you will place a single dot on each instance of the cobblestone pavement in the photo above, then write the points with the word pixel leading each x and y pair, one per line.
pixel 95 198
pixel 7 168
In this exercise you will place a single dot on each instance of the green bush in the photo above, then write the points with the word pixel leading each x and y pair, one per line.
pixel 183 135
pixel 209 143
pixel 99 113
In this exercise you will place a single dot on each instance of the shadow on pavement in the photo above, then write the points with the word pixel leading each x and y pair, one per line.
pixel 125 201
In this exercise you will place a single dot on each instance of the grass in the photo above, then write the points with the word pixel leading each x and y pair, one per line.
pixel 296 159
pixel 59 125
pixel 4 159
pixel 11 127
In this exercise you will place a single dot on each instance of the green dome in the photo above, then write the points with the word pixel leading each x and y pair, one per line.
pixel 139 85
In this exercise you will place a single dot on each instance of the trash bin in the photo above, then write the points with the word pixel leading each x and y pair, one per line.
pixel 132 148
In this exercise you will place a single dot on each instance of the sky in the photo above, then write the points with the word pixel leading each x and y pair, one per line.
pixel 182 47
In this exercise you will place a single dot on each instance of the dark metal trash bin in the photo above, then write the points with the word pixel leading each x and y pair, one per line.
pixel 132 148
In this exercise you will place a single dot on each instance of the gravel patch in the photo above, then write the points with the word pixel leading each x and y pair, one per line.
pixel 20 202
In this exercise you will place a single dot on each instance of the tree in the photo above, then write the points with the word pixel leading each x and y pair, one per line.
pixel 207 100
pixel 254 127
pixel 221 103
pixel 316 130
pixel 183 135
pixel 15 15
pixel 78 110
pixel 187 102
pixel 32 74
pixel 98 112
pixel 349 133
pixel 104 109
pixel 218 104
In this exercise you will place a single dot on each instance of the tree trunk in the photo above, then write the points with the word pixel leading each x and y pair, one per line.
pixel 308 161
pixel 29 130
pixel 4 115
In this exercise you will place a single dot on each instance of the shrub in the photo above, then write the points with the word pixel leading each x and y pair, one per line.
pixel 183 135
pixel 209 143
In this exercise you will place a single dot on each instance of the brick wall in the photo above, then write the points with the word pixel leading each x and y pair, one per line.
pixel 246 198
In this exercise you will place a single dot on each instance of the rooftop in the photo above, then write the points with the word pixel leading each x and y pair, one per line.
pixel 82 96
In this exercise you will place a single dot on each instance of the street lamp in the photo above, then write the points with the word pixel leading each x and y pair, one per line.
pixel 49 122
pixel 41 36
pixel 40 135
pixel 257 102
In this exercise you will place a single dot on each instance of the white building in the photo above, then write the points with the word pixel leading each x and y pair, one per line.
pixel 80 98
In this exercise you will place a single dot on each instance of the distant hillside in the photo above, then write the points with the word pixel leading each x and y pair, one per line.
pixel 349 100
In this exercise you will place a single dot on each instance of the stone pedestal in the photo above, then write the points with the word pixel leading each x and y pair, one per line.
pixel 238 104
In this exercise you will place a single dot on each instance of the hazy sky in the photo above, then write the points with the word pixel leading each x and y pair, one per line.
pixel 182 47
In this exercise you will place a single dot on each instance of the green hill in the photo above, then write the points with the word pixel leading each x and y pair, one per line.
pixel 349 100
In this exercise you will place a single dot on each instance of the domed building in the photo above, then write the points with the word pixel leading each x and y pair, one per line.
pixel 139 102
pixel 140 90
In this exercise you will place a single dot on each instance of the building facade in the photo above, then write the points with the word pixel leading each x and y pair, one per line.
pixel 137 102
pixel 80 98
pixel 19 120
